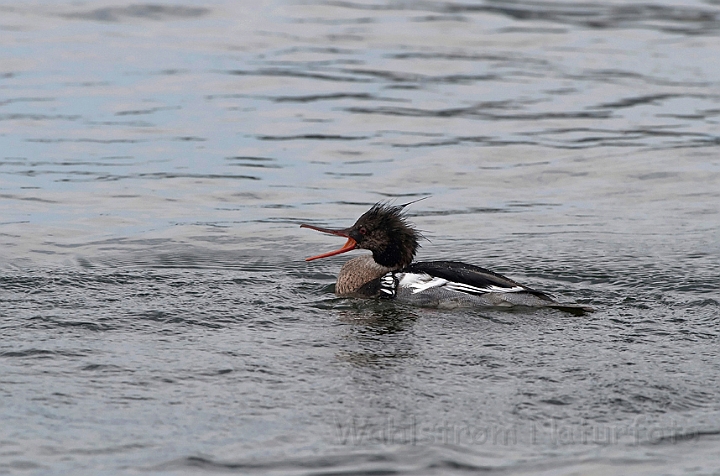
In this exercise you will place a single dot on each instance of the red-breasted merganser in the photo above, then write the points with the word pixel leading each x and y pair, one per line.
pixel 391 274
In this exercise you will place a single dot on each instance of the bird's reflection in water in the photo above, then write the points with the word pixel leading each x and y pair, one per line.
pixel 379 334
pixel 379 317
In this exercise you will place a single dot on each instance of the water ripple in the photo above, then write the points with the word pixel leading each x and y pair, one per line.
pixel 688 20
pixel 140 11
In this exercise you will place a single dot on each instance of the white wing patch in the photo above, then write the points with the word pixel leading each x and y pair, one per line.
pixel 420 282
pixel 423 282
pixel 488 289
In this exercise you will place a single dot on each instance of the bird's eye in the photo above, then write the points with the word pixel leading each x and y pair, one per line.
pixel 362 230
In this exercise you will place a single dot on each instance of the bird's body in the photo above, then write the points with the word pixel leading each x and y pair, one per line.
pixel 390 273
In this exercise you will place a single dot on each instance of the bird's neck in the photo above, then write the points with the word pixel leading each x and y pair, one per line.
pixel 395 255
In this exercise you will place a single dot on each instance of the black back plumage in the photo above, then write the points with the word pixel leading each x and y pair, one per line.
pixel 474 276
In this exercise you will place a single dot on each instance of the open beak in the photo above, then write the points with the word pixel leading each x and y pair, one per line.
pixel 348 246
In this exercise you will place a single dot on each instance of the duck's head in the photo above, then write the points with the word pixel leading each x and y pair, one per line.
pixel 383 230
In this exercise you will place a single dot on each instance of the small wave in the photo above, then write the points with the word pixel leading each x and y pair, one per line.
pixel 402 461
pixel 40 353
pixel 140 11
pixel 688 20
pixel 312 137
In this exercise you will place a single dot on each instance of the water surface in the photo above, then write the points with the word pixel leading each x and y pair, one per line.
pixel 157 159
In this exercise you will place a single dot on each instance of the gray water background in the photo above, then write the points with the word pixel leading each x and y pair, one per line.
pixel 155 163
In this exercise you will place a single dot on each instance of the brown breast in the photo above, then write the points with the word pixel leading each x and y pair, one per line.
pixel 357 272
